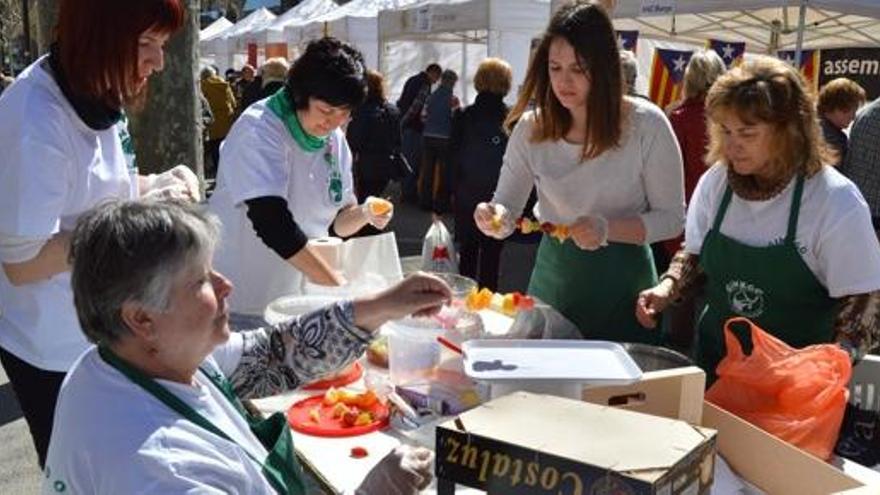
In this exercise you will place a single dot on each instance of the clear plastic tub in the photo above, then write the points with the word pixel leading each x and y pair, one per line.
pixel 413 350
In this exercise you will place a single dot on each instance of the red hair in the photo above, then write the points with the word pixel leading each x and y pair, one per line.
pixel 98 43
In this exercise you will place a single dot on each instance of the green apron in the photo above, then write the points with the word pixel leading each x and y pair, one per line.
pixel 770 285
pixel 596 290
pixel 280 467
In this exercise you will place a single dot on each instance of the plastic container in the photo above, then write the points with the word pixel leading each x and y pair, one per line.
pixel 459 284
pixel 413 350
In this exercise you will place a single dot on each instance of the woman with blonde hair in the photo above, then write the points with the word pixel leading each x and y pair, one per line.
pixel 476 150
pixel 774 233
pixel 606 166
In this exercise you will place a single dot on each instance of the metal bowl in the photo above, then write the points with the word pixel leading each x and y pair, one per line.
pixel 655 358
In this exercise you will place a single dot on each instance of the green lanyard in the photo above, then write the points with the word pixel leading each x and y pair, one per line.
pixel 280 106
pixel 181 407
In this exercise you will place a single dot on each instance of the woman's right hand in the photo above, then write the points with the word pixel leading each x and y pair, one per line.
pixel 493 220
pixel 651 302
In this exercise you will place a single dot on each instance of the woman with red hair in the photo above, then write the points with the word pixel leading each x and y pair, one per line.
pixel 66 148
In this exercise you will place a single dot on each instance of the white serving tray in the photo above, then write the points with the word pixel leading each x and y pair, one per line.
pixel 590 362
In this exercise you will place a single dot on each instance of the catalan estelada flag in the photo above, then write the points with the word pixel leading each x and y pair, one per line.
pixel 809 64
pixel 730 51
pixel 667 73
pixel 628 40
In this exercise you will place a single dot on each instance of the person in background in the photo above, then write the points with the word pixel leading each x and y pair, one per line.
pixel 434 186
pixel 374 138
pixel 66 148
pixel 222 103
pixel 629 64
pixel 773 232
pixel 154 406
pixel 689 124
pixel 476 151
pixel 273 73
pixel 863 155
pixel 839 100
pixel 410 104
pixel 250 85
pixel 285 177
pixel 606 166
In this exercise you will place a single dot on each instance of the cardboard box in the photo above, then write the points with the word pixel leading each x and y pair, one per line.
pixel 771 464
pixel 530 444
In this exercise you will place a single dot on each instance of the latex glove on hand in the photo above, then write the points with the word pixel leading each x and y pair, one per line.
pixel 493 219
pixel 404 471
pixel 178 183
pixel 378 211
pixel 590 232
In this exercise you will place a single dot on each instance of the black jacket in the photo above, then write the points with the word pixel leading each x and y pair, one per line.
pixel 373 136
pixel 476 148
pixel 411 89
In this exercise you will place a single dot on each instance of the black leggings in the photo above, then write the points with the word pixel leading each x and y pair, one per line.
pixel 37 392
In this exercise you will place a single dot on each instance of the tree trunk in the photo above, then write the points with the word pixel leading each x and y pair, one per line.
pixel 168 131
pixel 47 16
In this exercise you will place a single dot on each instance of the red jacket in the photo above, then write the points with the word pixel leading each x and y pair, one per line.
pixel 689 124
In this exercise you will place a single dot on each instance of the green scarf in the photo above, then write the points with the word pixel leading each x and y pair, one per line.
pixel 280 106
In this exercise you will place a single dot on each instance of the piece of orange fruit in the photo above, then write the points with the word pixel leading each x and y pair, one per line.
pixel 379 206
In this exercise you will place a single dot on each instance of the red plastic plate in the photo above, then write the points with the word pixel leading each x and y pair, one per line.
pixel 348 376
pixel 299 419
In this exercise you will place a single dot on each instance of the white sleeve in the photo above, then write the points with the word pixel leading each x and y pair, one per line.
pixel 227 356
pixel 663 177
pixel 16 249
pixel 517 178
pixel 848 251
pixel 701 210
pixel 34 168
pixel 254 160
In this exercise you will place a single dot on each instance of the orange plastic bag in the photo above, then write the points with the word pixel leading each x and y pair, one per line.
pixel 798 395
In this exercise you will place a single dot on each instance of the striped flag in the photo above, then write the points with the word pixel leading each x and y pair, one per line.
pixel 667 73
pixel 628 40
pixel 809 64
pixel 730 51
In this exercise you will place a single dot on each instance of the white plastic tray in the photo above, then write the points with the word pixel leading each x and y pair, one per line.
pixel 582 361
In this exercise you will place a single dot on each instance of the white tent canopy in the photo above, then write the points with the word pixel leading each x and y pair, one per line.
pixel 472 29
pixel 765 25
pixel 222 47
pixel 273 32
pixel 356 22
pixel 215 28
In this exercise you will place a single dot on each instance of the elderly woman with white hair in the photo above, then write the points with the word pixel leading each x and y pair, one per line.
pixel 154 406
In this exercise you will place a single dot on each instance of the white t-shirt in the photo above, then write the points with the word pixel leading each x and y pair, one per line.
pixel 260 158
pixel 53 168
pixel 110 437
pixel 834 233
pixel 642 177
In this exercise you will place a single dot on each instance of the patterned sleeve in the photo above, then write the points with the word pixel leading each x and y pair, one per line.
pixel 285 356
pixel 857 326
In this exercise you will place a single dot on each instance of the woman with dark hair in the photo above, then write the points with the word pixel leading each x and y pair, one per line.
pixel 604 165
pixel 773 232
pixel 374 138
pixel 65 148
pixel 285 177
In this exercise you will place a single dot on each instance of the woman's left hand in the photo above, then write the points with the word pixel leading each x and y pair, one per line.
pixel 378 211
pixel 590 232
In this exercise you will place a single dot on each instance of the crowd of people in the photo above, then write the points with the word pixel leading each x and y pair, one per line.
pixel 746 198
